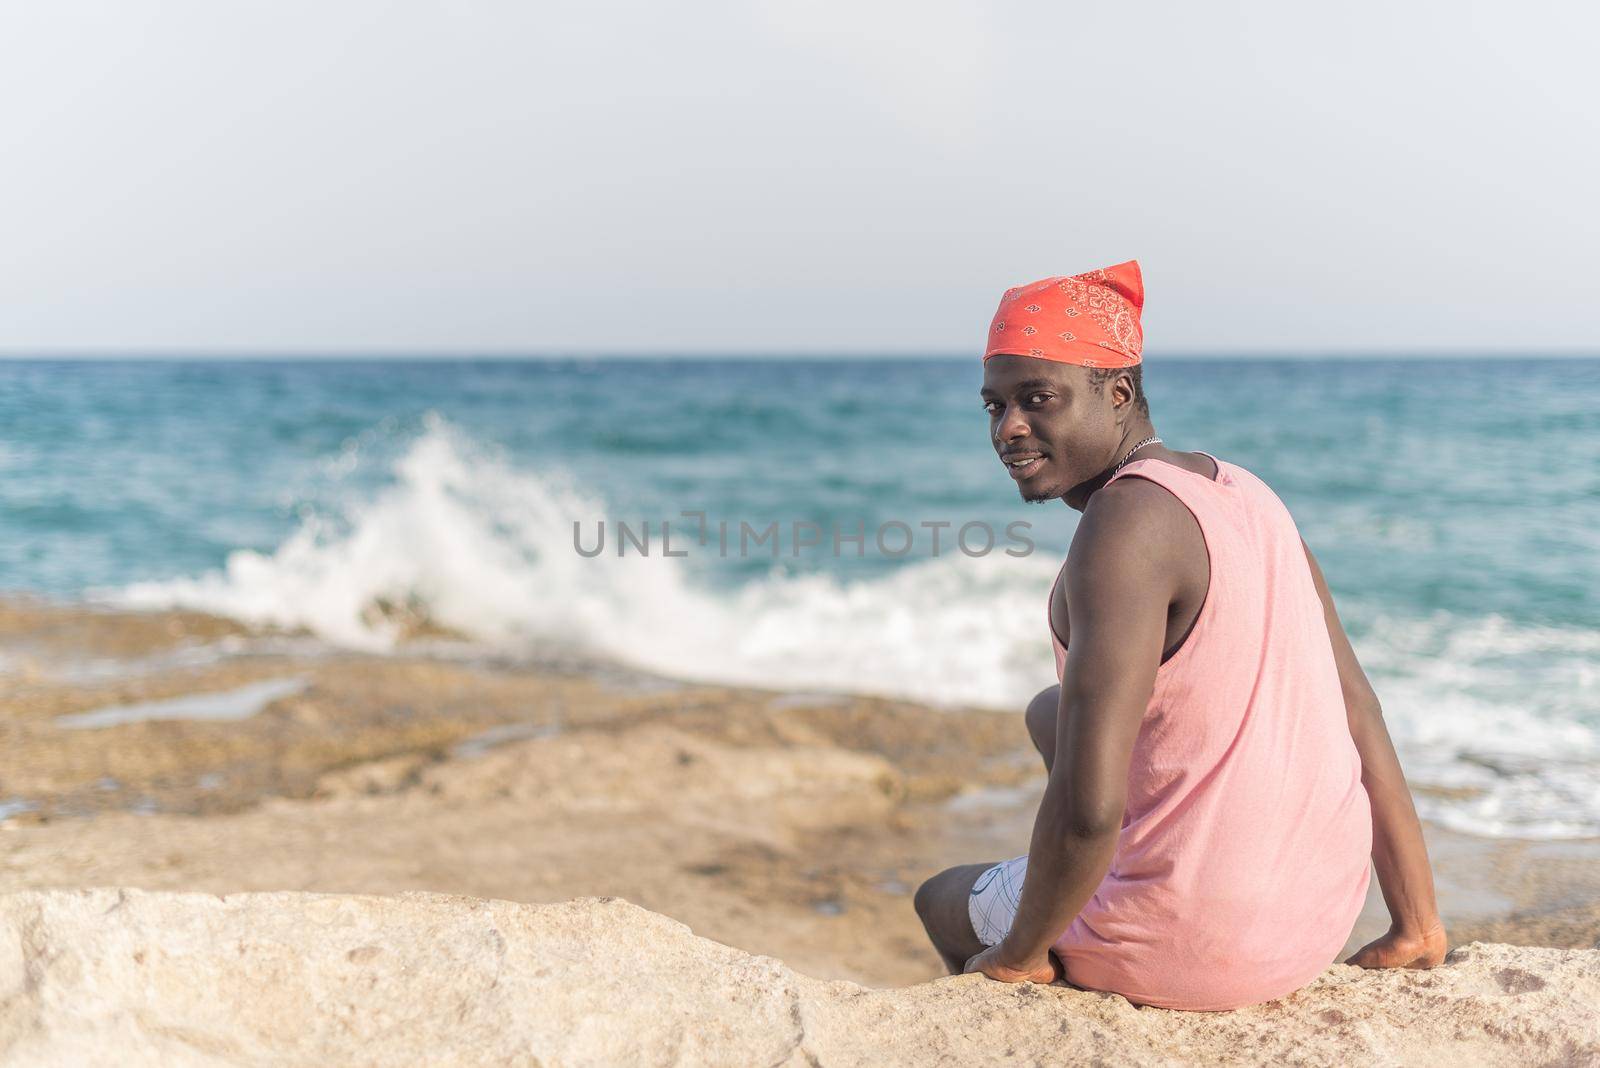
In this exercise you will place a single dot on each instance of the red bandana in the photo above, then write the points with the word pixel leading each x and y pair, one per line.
pixel 1090 319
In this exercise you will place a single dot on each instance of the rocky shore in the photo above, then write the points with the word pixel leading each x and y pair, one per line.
pixel 121 976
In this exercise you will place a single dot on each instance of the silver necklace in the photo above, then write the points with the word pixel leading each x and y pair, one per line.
pixel 1151 440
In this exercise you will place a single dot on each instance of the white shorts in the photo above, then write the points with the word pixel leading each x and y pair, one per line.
pixel 993 904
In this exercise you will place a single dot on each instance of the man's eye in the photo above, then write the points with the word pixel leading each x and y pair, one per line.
pixel 990 406
pixel 1038 398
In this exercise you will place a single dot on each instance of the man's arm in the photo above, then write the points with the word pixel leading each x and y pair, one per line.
pixel 1416 937
pixel 1120 579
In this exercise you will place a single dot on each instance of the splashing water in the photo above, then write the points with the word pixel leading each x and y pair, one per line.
pixel 481 549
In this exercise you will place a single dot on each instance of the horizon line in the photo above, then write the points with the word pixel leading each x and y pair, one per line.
pixel 420 356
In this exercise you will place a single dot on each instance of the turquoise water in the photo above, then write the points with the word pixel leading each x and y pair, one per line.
pixel 1454 504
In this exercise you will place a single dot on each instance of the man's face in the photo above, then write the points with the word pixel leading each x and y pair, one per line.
pixel 1047 425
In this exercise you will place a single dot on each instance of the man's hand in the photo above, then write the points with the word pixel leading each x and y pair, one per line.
pixel 994 963
pixel 1400 949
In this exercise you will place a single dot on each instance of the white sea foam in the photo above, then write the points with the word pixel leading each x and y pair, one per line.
pixel 487 550
pixel 1504 714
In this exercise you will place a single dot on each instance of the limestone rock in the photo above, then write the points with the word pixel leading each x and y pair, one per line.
pixel 110 976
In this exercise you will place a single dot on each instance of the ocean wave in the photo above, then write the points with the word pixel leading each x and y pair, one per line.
pixel 464 541
pixel 1500 718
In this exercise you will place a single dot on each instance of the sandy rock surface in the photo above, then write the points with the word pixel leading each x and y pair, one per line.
pixel 109 976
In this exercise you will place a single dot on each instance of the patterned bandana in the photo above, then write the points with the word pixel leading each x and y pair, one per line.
pixel 1090 319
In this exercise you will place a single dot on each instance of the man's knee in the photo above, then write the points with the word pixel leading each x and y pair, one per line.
pixel 946 892
pixel 943 904
pixel 1041 718
pixel 925 898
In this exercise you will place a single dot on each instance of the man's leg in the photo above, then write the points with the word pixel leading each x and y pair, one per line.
pixel 942 905
pixel 1041 720
pixel 942 901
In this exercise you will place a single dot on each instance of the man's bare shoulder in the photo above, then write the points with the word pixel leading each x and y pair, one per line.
pixel 1135 528
pixel 1134 512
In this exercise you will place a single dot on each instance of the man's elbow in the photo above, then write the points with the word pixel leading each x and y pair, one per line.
pixel 1363 711
pixel 1089 822
pixel 1095 829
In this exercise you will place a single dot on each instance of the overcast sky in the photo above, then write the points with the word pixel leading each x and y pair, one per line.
pixel 796 176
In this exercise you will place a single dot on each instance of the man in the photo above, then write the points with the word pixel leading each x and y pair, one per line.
pixel 1219 770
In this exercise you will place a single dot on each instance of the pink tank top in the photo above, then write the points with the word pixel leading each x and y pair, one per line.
pixel 1243 856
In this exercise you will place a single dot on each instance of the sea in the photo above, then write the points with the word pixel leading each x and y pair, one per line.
pixel 829 525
